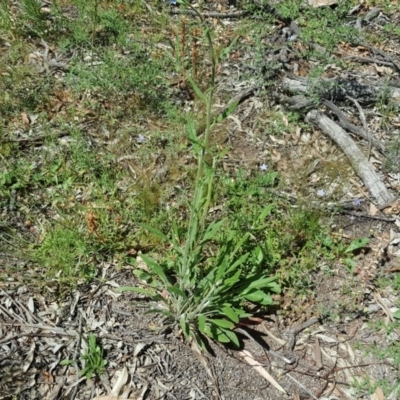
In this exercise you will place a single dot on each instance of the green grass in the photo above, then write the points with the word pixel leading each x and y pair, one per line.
pixel 94 194
pixel 122 79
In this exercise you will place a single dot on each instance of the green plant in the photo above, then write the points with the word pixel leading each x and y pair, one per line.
pixel 65 254
pixel 32 18
pixel 369 385
pixel 6 24
pixel 92 360
pixel 205 286
pixel 345 252
pixel 392 162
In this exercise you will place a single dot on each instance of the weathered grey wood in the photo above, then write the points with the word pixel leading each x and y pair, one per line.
pixel 357 159
pixel 346 124
pixel 338 89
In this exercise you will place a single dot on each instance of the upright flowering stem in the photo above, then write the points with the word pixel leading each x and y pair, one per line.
pixel 203 179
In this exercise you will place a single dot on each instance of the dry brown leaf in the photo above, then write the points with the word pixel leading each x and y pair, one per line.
pixel 383 70
pixel 372 209
pixel 25 118
pixel 262 371
pixel 318 355
pixel 121 381
pixel 378 395
pixel 141 264
pixel 393 208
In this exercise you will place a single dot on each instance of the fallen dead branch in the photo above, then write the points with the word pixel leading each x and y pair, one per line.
pixel 357 159
pixel 338 89
pixel 346 124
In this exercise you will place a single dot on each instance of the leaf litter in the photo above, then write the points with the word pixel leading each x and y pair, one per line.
pixel 36 335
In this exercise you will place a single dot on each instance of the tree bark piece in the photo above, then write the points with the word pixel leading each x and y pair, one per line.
pixel 338 89
pixel 346 124
pixel 357 159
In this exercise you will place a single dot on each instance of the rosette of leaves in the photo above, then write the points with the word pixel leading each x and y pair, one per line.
pixel 205 297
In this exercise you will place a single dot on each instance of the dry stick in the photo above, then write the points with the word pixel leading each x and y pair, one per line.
pixel 383 54
pixel 370 92
pixel 35 139
pixel 261 370
pixel 364 122
pixel 74 358
pixel 34 334
pixel 346 124
pixel 367 60
pixel 265 348
pixel 292 333
pixel 357 159
pixel 363 215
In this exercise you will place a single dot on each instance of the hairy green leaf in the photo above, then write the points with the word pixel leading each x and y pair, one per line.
pixel 184 325
pixel 357 244
pixel 232 337
pixel 223 323
pixel 259 297
pixel 197 90
pixel 230 313
pixel 157 269
pixel 177 291
pixel 155 232
pixel 201 320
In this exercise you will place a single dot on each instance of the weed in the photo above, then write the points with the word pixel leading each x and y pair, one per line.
pixel 205 295
pixel 33 20
pixel 369 386
pixel 392 162
pixel 6 22
pixel 92 360
pixel 338 249
pixel 64 254
pixel 121 85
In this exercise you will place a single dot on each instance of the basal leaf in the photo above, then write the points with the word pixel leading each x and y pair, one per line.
pixel 231 314
pixel 201 320
pixel 223 323
pixel 197 90
pixel 155 232
pixel 160 311
pixel 200 341
pixel 184 325
pixel 177 291
pixel 259 297
pixel 142 275
pixel 229 282
pixel 357 244
pixel 232 337
pixel 260 282
pixel 157 269
pixel 239 261
pixel 222 338
pixel 212 229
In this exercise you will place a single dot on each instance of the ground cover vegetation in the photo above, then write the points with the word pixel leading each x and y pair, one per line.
pixel 132 159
